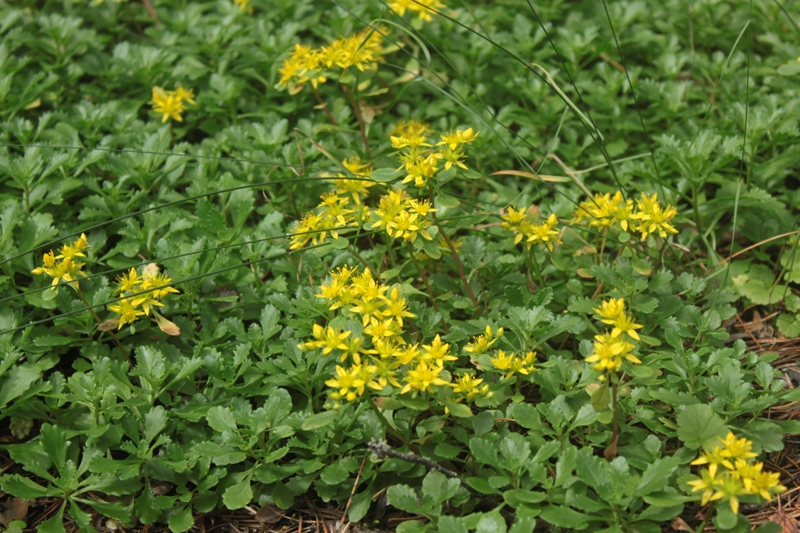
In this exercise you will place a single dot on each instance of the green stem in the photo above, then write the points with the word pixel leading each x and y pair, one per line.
pixel 457 259
pixel 536 269
pixel 709 513
pixel 389 427
pixel 427 287
pixel 352 250
pixel 100 321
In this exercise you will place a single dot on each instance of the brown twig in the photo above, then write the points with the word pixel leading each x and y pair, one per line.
pixel 152 11
pixel 380 449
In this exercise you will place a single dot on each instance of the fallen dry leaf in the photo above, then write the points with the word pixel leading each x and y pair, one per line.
pixel 787 523
pixel 269 514
pixel 13 509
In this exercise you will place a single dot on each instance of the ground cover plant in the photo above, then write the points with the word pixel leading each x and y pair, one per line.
pixel 439 265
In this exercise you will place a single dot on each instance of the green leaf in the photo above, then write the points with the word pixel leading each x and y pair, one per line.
pixel 725 518
pixel 18 381
pixel 144 506
pixel 385 175
pixel 451 524
pixel 154 422
pixel 789 69
pixel 319 420
pixel 23 487
pixel 523 525
pixel 404 498
pixel 54 524
pixel 459 409
pixel 238 495
pixel 54 443
pixel 699 424
pixel 221 419
pixel 517 497
pixel 491 523
pixel 182 521
pixel 561 516
pixel 601 398
pixel 481 485
pixel 484 451
pixel 526 415
pixel 656 475
pixel 360 506
pixel 439 487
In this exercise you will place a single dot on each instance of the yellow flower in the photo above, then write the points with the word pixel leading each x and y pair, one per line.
pixel 609 352
pixel 453 139
pixel 395 307
pixel 349 382
pixel 422 7
pixel 766 484
pixel 422 378
pixel 157 281
pixel 67 269
pixel 481 343
pixel 327 338
pixel 512 364
pixel 127 310
pixel 610 310
pixel 437 351
pixel 708 484
pixel 737 448
pixel 713 459
pixel 624 324
pixel 168 103
pixel 128 282
pixel 76 249
pixel 467 385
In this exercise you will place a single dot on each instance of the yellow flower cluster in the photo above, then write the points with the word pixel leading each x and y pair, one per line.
pixel 424 8
pixel 740 476
pixel 381 356
pixel 612 347
pixel 64 267
pixel 506 363
pixel 362 50
pixel 171 103
pixel 141 294
pixel 332 216
pixel 358 189
pixel 518 221
pixel 420 159
pixel 646 217
pixel 403 217
pixel 513 364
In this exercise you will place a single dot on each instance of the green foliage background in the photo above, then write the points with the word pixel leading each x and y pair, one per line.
pixel 231 412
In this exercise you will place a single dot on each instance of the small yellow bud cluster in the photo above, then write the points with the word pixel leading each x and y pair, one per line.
pixel 403 217
pixel 357 189
pixel 332 216
pixel 512 363
pixel 64 267
pixel 421 160
pixel 518 221
pixel 612 347
pixel 141 294
pixel 506 363
pixel 244 4
pixel 424 8
pixel 171 103
pixel 380 356
pixel 362 50
pixel 741 476
pixel 647 217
